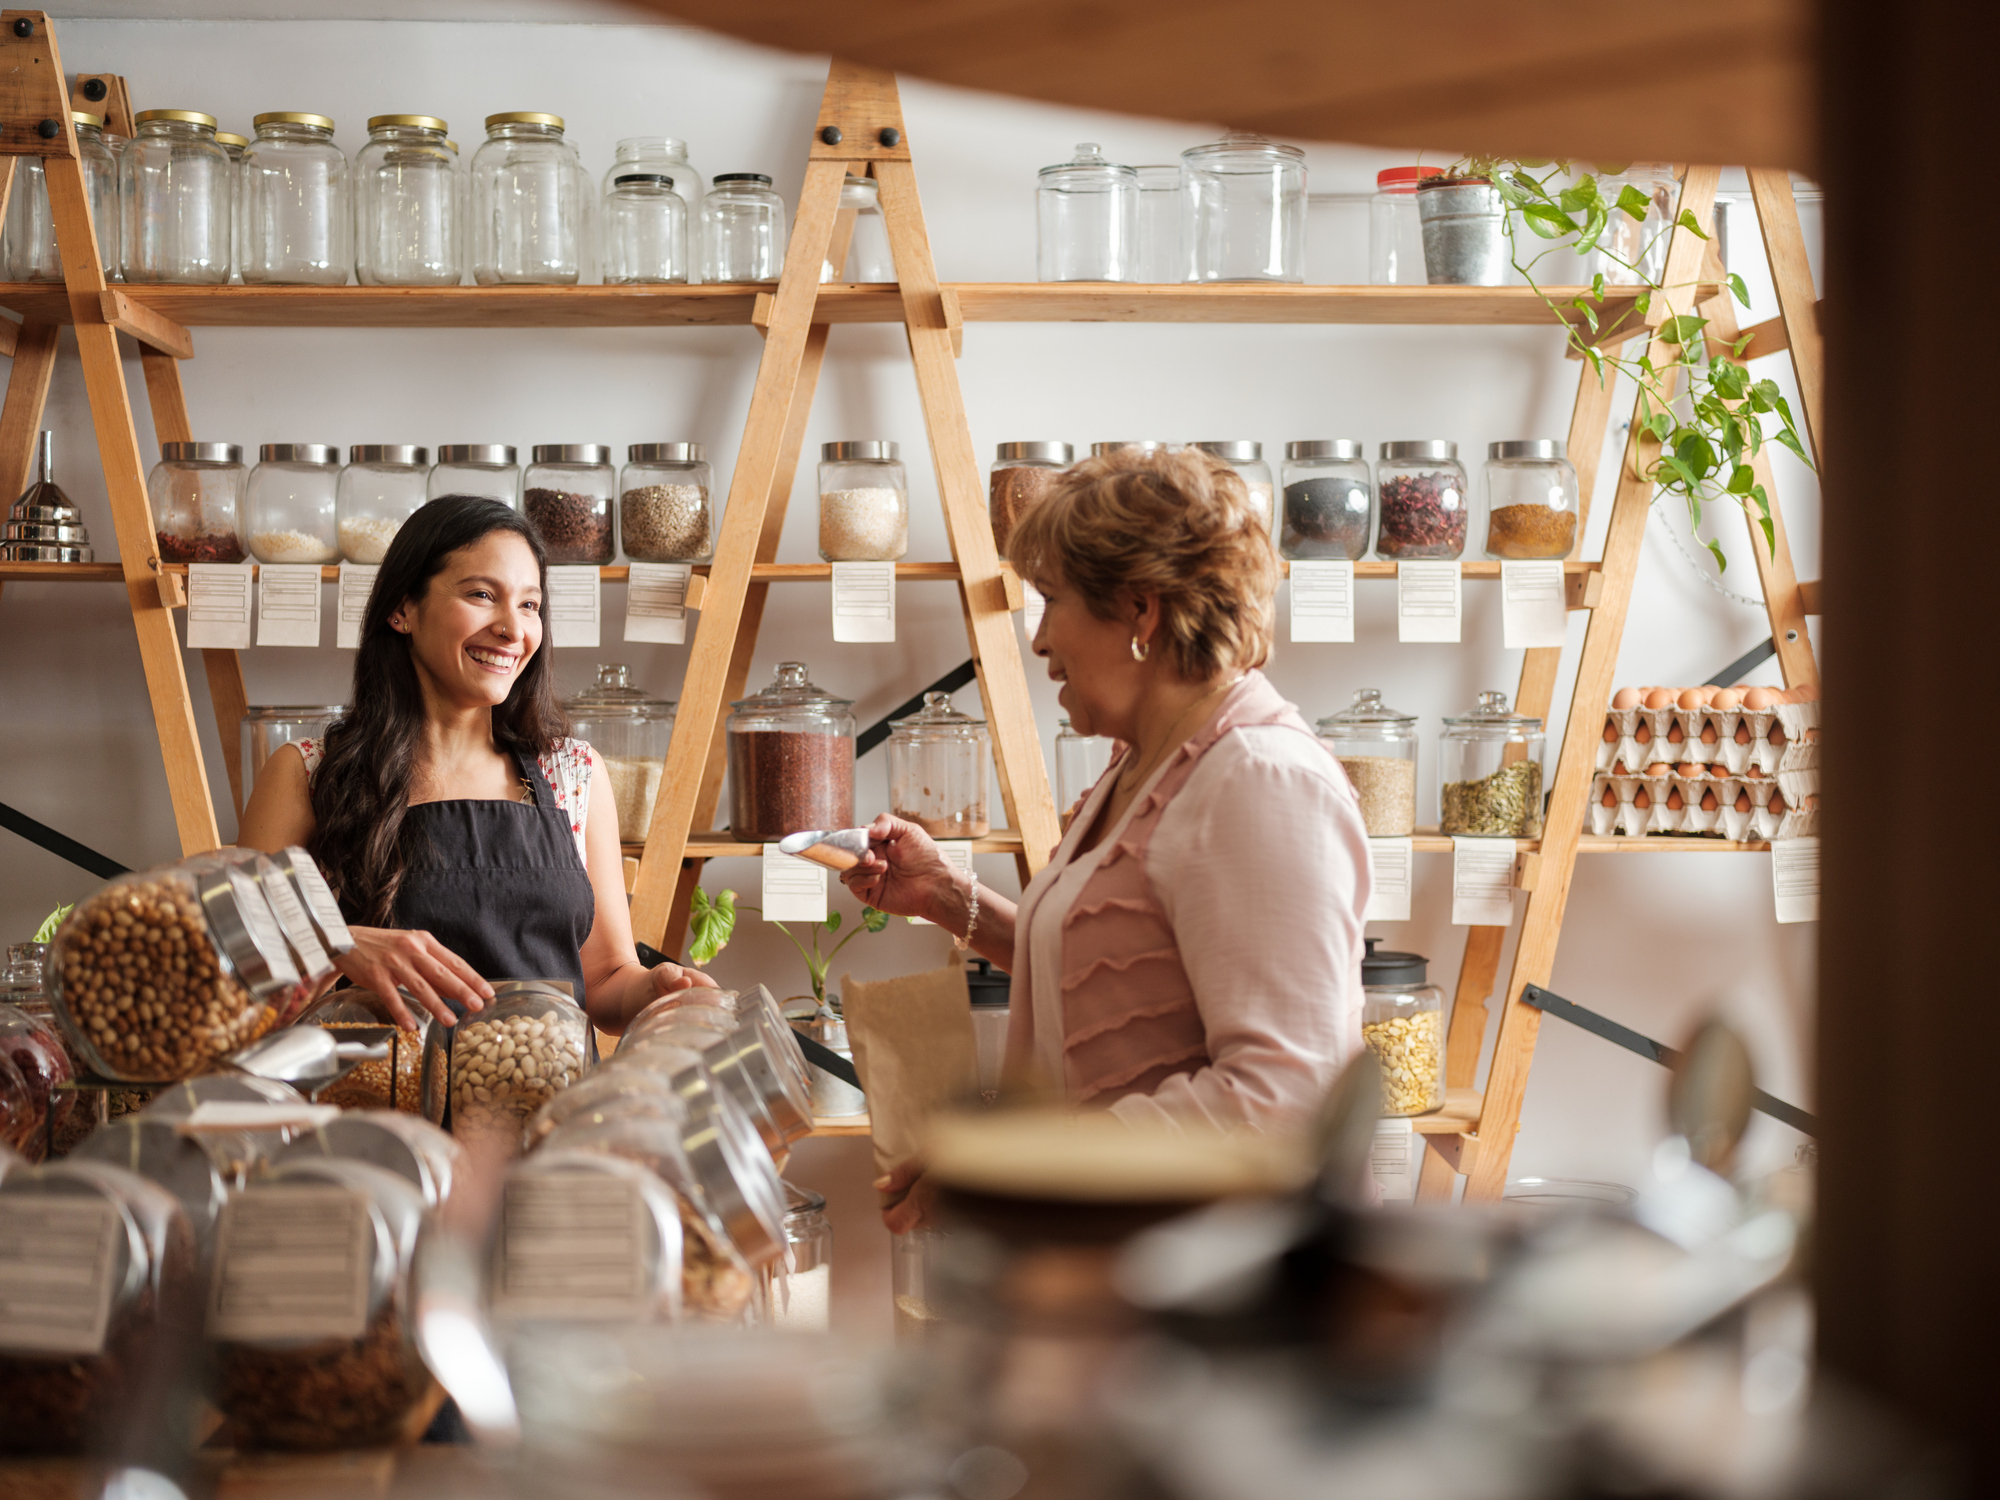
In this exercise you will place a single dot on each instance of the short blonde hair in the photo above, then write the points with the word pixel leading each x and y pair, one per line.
pixel 1182 527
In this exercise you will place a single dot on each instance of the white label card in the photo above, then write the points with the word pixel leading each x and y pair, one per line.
pixel 57 1256
pixel 291 914
pixel 357 582
pixel 1428 602
pixel 1323 601
pixel 292 1262
pixel 958 854
pixel 864 601
pixel 1391 869
pixel 219 605
pixel 1396 1159
pixel 1482 882
pixel 1032 605
pixel 794 888
pixel 656 603
pixel 1534 609
pixel 288 604
pixel 573 606
pixel 1795 879
pixel 572 1245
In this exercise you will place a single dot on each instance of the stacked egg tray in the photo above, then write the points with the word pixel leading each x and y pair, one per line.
pixel 1731 773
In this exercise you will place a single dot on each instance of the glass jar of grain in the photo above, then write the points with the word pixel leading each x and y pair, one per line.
pixel 1530 499
pixel 1023 475
pixel 791 759
pixel 1490 773
pixel 664 511
pixel 1328 512
pixel 1377 747
pixel 1402 1021
pixel 864 503
pixel 630 730
pixel 381 488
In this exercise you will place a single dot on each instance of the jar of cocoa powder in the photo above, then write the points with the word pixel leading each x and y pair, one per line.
pixel 567 495
pixel 791 759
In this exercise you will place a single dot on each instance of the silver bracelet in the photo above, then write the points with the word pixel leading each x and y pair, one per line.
pixel 972 920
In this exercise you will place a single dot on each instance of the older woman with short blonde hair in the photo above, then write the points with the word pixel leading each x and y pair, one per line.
pixel 1193 946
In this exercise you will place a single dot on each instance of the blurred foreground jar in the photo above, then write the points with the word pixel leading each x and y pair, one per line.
pixel 800 1287
pixel 937 770
pixel 530 203
pixel 292 496
pixel 381 488
pixel 791 759
pixel 742 229
pixel 630 731
pixel 406 200
pixel 1243 210
pixel 1402 1021
pixel 31 251
pixel 296 215
pixel 196 492
pixel 1087 219
pixel 176 189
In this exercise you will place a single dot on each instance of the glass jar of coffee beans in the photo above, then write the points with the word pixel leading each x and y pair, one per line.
pixel 664 511
pixel 566 494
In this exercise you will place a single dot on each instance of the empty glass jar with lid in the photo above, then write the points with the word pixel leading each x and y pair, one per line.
pixel 381 488
pixel 1086 219
pixel 1530 499
pixel 297 219
pixel 30 238
pixel 864 503
pixel 645 231
pixel 1377 746
pixel 530 203
pixel 868 255
pixel 742 229
pixel 664 511
pixel 487 470
pixel 567 495
pixel 665 154
pixel 1490 773
pixel 1081 761
pixel 1395 229
pixel 1421 501
pixel 1402 1021
pixel 176 192
pixel 1328 510
pixel 235 145
pixel 1247 459
pixel 937 770
pixel 1022 476
pixel 196 495
pixel 791 759
pixel 629 729
pixel 268 728
pixel 1243 210
pixel 406 205
pixel 293 496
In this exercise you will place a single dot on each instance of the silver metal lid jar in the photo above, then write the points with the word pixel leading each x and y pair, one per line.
pixel 1235 451
pixel 572 453
pixel 1345 448
pixel 1048 453
pixel 874 450
pixel 1436 449
pixel 298 453
pixel 202 453
pixel 1140 445
pixel 387 453
pixel 1526 448
pixel 475 453
pixel 674 453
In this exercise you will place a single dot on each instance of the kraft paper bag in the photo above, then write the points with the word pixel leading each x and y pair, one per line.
pixel 912 1041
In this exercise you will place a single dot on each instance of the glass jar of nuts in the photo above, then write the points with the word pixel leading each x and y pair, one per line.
pixel 392 1082
pixel 1402 1021
pixel 508 1060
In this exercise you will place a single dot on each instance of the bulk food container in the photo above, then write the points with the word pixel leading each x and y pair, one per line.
pixel 1531 499
pixel 1247 460
pixel 197 1169
pixel 664 511
pixel 566 495
pixel 1159 257
pixel 176 191
pixel 937 770
pixel 864 502
pixel 561 1208
pixel 630 731
pixel 1402 1021
pixel 742 229
pixel 1087 219
pixel 799 1288
pixel 506 1061
pixel 21 1125
pixel 196 494
pixel 413 1149
pixel 1243 210
pixel 1396 229
pixel 608 1093
pixel 395 1082
pixel 645 231
pixel 487 470
pixel 664 154
pixel 1023 474
pixel 44 1056
pixel 31 252
pixel 1328 510
pixel 382 486
pixel 1377 747
pixel 531 203
pixel 1421 501
pixel 292 500
pixel 791 759
pixel 407 192
pixel 295 216
pixel 1490 773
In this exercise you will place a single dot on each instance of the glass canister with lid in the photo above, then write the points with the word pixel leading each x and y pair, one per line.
pixel 1129 447
pixel 42 1052
pixel 1377 746
pixel 1396 229
pixel 1402 1021
pixel 530 1043
pixel 864 504
pixel 742 229
pixel 1490 773
pixel 791 759
pixel 488 470
pixel 395 1082
pixel 1328 510
pixel 937 770
pixel 381 488
pixel 1081 761
pixel 1087 219
pixel 1243 210
pixel 268 728
pixel 1247 459
pixel 235 145
pixel 1530 499
pixel 630 730
pixel 530 203
pixel 196 493
pixel 31 252
pixel 406 202
pixel 1022 476
pixel 645 231
pixel 664 510
pixel 665 154
pixel 567 495
pixel 293 496
pixel 296 214
pixel 1634 251
pixel 869 258
pixel 176 190
pixel 1421 501
pixel 1158 259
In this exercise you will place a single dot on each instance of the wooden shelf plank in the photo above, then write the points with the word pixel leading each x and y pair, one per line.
pixel 844 1125
pixel 48 572
pixel 1460 1114
pixel 718 844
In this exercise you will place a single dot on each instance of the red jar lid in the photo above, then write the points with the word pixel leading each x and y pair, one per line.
pixel 1403 179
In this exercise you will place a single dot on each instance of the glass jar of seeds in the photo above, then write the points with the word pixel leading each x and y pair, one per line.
pixel 381 488
pixel 937 770
pixel 1402 1021
pixel 1422 498
pixel 864 504
pixel 292 496
pixel 664 511
pixel 1023 475
pixel 1377 747
pixel 791 759
pixel 1247 459
pixel 1328 511
pixel 566 494
pixel 488 470
pixel 1490 773
pixel 630 730
pixel 1530 499
pixel 196 494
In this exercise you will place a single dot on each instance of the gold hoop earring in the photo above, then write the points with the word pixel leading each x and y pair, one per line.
pixel 1141 649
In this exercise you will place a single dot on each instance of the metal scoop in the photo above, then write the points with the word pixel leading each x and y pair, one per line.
pixel 836 848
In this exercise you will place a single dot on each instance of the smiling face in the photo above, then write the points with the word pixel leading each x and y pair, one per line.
pixel 478 623
pixel 1092 658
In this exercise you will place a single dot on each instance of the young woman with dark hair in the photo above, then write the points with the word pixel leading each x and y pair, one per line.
pixel 447 806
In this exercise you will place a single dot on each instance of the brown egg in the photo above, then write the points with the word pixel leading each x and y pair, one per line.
pixel 1742 734
pixel 1777 802
pixel 1610 797
pixel 1708 802
pixel 1806 693
pixel 1660 698
pixel 1726 700
pixel 1693 698
pixel 1777 734
pixel 1708 734
pixel 1644 733
pixel 1674 803
pixel 1626 698
pixel 1618 767
pixel 1743 802
pixel 1757 699
pixel 1675 735
pixel 1812 801
pixel 1641 798
pixel 1610 733
pixel 1753 774
pixel 1659 768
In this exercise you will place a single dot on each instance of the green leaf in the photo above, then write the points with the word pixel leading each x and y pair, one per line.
pixel 1596 359
pixel 1736 286
pixel 874 920
pixel 711 924
pixel 1597 286
pixel 1790 439
pixel 1611 168
pixel 1548 221
pixel 1691 224
pixel 1582 305
pixel 1715 548
pixel 1660 423
pixel 833 921
pixel 1635 203
pixel 46 933
pixel 1642 302
pixel 1682 330
pixel 1743 480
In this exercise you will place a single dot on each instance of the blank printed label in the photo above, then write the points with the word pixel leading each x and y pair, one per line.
pixel 656 603
pixel 292 1262
pixel 864 601
pixel 1534 612
pixel 1427 602
pixel 1032 605
pixel 1394 1159
pixel 794 888
pixel 357 582
pixel 219 605
pixel 573 606
pixel 56 1260
pixel 1391 868
pixel 1323 601
pixel 288 604
pixel 572 1246
pixel 1482 882
pixel 1795 879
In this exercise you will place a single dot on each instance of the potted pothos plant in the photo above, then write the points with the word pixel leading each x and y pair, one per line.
pixel 712 922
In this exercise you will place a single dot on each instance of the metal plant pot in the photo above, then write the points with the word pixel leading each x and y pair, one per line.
pixel 1465 243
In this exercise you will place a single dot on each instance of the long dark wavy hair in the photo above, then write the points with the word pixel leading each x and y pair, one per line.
pixel 361 791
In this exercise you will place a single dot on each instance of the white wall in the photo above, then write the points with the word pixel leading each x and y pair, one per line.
pixel 1649 940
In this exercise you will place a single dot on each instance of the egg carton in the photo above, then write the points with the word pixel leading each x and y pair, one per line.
pixel 1734 739
pixel 1797 815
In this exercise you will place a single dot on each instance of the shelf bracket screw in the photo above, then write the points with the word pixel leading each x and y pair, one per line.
pixel 830 134
pixel 95 90
pixel 890 135
pixel 1791 637
pixel 24 27
pixel 48 130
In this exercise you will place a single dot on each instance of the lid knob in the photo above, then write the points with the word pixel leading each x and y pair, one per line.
pixel 1493 703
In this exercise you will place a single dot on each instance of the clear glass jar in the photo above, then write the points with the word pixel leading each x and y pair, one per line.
pixel 407 229
pixel 913 1284
pixel 758 1062
pixel 31 250
pixel 1421 500
pixel 667 155
pixel 297 216
pixel 488 470
pixel 738 1180
pixel 1328 509
pixel 1395 229
pixel 395 1082
pixel 1634 251
pixel 541 1199
pixel 268 729
pixel 1402 1021
pixel 1021 478
pixel 742 229
pixel 567 496
pixel 24 987
pixel 1530 499
pixel 868 255
pixel 801 1290
pixel 1247 459
pixel 937 770
pixel 630 731
pixel 381 488
pixel 864 503
pixel 529 1044
pixel 1081 761
pixel 235 145
pixel 530 203
pixel 664 510
pixel 291 498
pixel 1490 773
pixel 645 231
pixel 196 494
pixel 34 1047
pixel 398 1141
pixel 1130 447
pixel 1243 210
pixel 791 759
pixel 1159 260
pixel 1377 747
pixel 1087 219
pixel 176 192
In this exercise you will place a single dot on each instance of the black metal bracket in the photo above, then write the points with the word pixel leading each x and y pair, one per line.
pixel 1756 656
pixel 876 733
pixel 59 844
